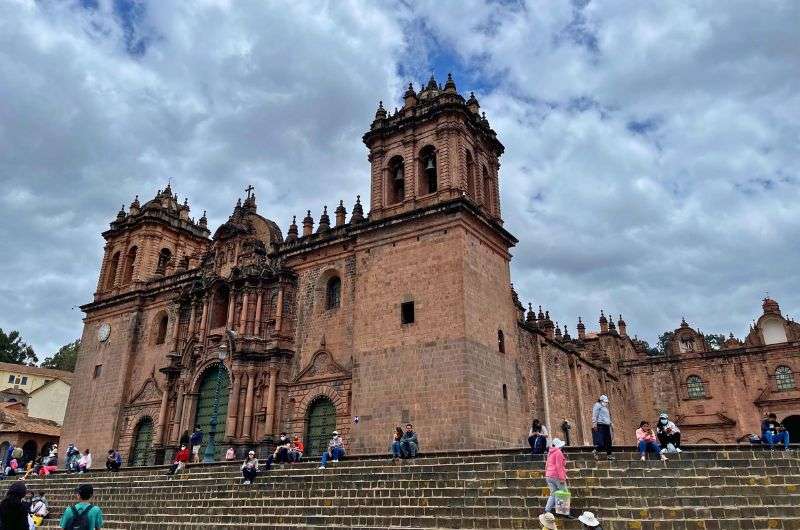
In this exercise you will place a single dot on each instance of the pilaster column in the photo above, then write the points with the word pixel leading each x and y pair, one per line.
pixel 192 316
pixel 233 405
pixel 176 419
pixel 248 406
pixel 176 329
pixel 272 392
pixel 162 417
pixel 279 309
pixel 242 326
pixel 204 317
pixel 257 319
pixel 231 306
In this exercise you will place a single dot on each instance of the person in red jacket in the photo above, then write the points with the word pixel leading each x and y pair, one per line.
pixel 181 457
pixel 555 472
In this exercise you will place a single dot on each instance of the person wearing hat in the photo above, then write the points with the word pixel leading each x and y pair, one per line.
pixel 82 510
pixel 335 450
pixel 548 521
pixel 14 512
pixel 588 520
pixel 250 468
pixel 668 433
pixel 555 472
pixel 601 426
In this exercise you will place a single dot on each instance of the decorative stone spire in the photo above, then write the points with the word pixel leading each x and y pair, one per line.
pixel 581 329
pixel 358 211
pixel 203 222
pixel 410 97
pixel 623 328
pixel 558 331
pixel 432 85
pixel 308 224
pixel 540 316
pixel 324 221
pixel 549 328
pixel 603 322
pixel 450 85
pixel 531 315
pixel 380 114
pixel 121 213
pixel 292 234
pixel 611 325
pixel 341 213
pixel 135 207
pixel 566 333
pixel 683 322
pixel 472 103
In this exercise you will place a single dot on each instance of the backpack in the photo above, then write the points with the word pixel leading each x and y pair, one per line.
pixel 80 520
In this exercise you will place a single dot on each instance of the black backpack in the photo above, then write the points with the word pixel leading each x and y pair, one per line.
pixel 80 521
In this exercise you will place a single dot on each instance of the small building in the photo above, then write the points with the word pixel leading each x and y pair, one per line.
pixel 49 401
pixel 29 378
pixel 34 435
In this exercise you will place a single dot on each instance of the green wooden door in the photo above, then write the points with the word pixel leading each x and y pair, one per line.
pixel 321 423
pixel 142 443
pixel 205 407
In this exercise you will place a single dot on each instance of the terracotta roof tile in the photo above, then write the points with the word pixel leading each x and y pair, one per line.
pixel 14 420
pixel 36 370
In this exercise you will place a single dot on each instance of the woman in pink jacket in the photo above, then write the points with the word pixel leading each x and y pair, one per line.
pixel 555 472
pixel 648 441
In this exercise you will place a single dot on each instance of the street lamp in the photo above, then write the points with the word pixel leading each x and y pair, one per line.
pixel 209 454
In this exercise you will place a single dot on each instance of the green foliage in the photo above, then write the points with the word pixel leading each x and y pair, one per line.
pixel 715 340
pixel 64 358
pixel 14 350
pixel 663 342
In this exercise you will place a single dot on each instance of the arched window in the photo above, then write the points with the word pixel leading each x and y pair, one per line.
pixel 470 176
pixel 163 259
pixel 695 387
pixel 784 378
pixel 219 309
pixel 396 185
pixel 501 341
pixel 428 181
pixel 111 274
pixel 130 261
pixel 161 331
pixel 487 189
pixel 333 293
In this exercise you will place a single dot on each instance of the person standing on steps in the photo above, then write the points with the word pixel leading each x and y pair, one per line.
pixel 82 515
pixel 335 450
pixel 602 427
pixel 537 438
pixel 647 442
pixel 14 512
pixel 181 458
pixel 410 443
pixel 114 460
pixel 668 433
pixel 250 468
pixel 555 472
pixel 196 441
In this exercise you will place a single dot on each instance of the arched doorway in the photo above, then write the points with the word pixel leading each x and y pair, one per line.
pixel 29 449
pixel 46 449
pixel 792 424
pixel 320 421
pixel 206 395
pixel 142 443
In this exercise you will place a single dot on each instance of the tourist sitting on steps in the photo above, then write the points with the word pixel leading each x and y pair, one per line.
pixel 39 508
pixel 82 515
pixel 296 450
pixel 85 462
pixel 588 520
pixel 397 438
pixel 555 472
pixel 230 454
pixel 14 511
pixel 281 453
pixel 668 433
pixel 537 437
pixel 410 443
pixel 548 521
pixel 773 431
pixel 335 450
pixel 181 457
pixel 602 430
pixel 11 468
pixel 71 458
pixel 648 441
pixel 249 468
pixel 113 460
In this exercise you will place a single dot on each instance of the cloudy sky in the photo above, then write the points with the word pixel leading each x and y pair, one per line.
pixel 652 148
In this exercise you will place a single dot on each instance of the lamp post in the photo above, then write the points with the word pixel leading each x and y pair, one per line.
pixel 209 454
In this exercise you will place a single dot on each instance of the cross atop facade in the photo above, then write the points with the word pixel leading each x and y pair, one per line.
pixel 249 189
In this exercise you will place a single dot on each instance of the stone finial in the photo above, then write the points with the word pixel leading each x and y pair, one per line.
pixel 291 235
pixel 341 213
pixel 581 329
pixel 121 213
pixel 531 315
pixel 540 316
pixel 410 97
pixel 450 85
pixel 308 224
pixel 623 328
pixel 566 333
pixel 432 85
pixel 603 322
pixel 135 207
pixel 611 325
pixel 558 331
pixel 472 103
pixel 324 221
pixel 358 211
pixel 203 222
pixel 380 114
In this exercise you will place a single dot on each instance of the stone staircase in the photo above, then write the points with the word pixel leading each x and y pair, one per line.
pixel 702 488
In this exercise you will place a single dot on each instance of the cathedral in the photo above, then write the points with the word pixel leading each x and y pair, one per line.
pixel 360 322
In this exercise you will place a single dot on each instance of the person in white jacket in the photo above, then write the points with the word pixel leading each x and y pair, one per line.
pixel 85 462
pixel 668 433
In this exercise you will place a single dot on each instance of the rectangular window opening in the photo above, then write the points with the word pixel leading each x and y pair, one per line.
pixel 25 380
pixel 505 391
pixel 407 313
pixel 10 378
pixel 98 369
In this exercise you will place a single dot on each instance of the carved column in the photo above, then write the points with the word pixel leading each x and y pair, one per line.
pixel 176 419
pixel 231 306
pixel 242 325
pixel 248 406
pixel 233 405
pixel 270 410
pixel 279 309
pixel 162 417
pixel 257 319
pixel 176 329
pixel 190 332
pixel 204 316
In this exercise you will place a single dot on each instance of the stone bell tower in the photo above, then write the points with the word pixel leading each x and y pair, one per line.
pixel 436 148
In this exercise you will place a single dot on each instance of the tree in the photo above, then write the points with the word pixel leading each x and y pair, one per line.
pixel 663 342
pixel 14 350
pixel 64 358
pixel 715 341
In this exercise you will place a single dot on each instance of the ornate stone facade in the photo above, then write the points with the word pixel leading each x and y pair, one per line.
pixel 405 314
